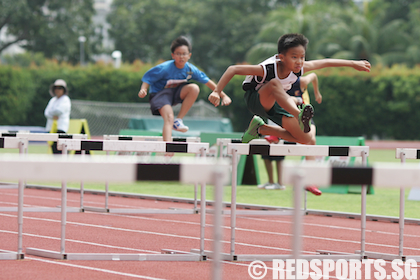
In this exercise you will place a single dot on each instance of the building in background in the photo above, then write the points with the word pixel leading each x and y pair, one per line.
pixel 102 8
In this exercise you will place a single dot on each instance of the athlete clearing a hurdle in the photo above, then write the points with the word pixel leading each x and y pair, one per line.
pixel 170 84
pixel 266 85
pixel 265 89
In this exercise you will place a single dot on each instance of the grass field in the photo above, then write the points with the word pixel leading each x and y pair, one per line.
pixel 383 202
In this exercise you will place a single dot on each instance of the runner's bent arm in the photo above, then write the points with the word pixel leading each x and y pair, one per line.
pixel 256 70
pixel 311 78
pixel 143 90
pixel 214 98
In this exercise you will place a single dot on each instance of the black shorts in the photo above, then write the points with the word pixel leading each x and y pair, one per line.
pixel 167 96
pixel 276 113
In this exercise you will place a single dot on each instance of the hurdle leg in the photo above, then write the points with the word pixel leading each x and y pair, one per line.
pixel 106 189
pixel 20 216
pixel 202 213
pixel 20 207
pixel 82 187
pixel 202 218
pixel 195 197
pixel 217 225
pixel 63 208
pixel 401 222
pixel 195 194
pixel 297 215
pixel 363 212
pixel 233 202
pixel 401 218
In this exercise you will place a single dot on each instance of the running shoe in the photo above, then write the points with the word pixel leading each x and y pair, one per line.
pixel 275 186
pixel 252 131
pixel 263 186
pixel 305 117
pixel 180 126
pixel 314 190
pixel 271 139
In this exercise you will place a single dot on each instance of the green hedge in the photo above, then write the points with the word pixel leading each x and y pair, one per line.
pixel 94 82
pixel 16 95
pixel 382 103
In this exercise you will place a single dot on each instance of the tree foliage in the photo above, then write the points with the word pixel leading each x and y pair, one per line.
pixel 221 31
pixel 17 92
pixel 382 31
pixel 49 26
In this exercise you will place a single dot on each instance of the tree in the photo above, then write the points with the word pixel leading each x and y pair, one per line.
pixel 221 31
pixel 49 26
pixel 372 32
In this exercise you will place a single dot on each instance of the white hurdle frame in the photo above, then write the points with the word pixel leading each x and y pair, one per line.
pixel 41 137
pixel 22 145
pixel 379 175
pixel 223 142
pixel 137 146
pixel 116 169
pixel 153 138
pixel 288 150
pixel 403 154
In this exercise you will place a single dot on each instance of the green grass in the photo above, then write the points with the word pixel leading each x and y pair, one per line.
pixel 384 202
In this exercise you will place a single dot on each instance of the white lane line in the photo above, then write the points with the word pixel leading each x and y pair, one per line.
pixel 95 269
pixel 250 218
pixel 197 238
pixel 81 242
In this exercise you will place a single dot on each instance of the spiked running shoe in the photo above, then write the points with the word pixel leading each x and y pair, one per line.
pixel 314 190
pixel 271 139
pixel 252 131
pixel 305 117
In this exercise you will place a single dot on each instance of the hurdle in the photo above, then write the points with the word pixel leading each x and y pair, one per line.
pixel 151 138
pixel 136 146
pixel 14 143
pixel 288 150
pixel 223 143
pixel 302 174
pixel 379 175
pixel 40 137
pixel 113 169
pixel 21 144
pixel 403 154
pixel 155 138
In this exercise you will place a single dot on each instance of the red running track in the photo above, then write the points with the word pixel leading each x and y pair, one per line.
pixel 92 232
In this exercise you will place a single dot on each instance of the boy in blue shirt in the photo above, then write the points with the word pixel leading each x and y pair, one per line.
pixel 170 84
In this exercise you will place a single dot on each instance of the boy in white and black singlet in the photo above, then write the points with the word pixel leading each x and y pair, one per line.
pixel 266 85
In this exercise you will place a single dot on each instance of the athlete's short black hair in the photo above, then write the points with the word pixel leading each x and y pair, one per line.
pixel 291 40
pixel 180 41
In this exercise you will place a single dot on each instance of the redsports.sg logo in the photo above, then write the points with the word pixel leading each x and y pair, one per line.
pixel 339 269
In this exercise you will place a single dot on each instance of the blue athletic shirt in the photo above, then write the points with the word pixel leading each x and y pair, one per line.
pixel 167 75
